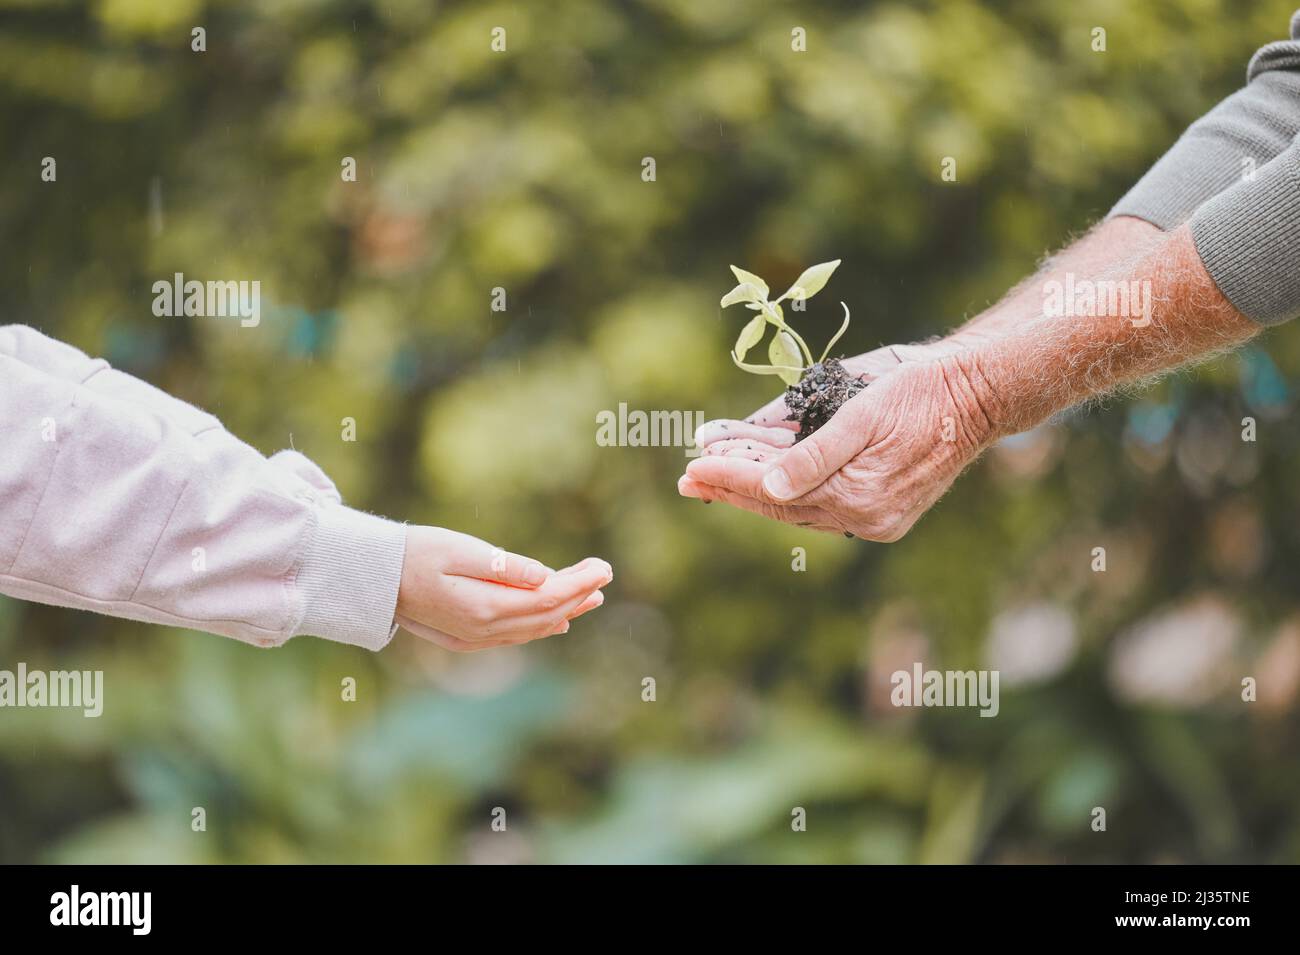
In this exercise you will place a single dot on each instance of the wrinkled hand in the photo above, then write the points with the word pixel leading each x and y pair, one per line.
pixel 885 458
pixel 463 594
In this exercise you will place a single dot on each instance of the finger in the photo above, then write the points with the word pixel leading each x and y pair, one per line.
pixel 558 590
pixel 548 622
pixel 471 557
pixel 748 449
pixel 724 429
pixel 514 638
pixel 591 603
pixel 585 562
pixel 814 459
pixel 730 473
pixel 687 487
pixel 542 623
pixel 797 515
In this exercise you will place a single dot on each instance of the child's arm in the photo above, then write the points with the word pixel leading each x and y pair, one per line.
pixel 117 498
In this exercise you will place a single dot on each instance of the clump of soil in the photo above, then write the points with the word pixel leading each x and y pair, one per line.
pixel 818 395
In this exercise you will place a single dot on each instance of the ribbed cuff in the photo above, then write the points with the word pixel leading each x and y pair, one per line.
pixel 350 577
pixel 1249 239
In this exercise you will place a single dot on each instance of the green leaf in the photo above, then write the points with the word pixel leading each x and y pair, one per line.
pixel 742 277
pixel 750 335
pixel 784 354
pixel 744 292
pixel 812 281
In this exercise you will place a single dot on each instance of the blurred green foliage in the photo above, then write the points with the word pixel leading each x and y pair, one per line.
pixel 522 170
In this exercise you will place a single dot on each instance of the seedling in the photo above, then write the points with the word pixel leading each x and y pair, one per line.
pixel 815 389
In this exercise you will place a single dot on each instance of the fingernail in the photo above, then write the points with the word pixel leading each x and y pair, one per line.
pixel 777 483
pixel 535 574
pixel 600 598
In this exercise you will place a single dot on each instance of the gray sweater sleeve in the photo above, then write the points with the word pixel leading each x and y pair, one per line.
pixel 1248 237
pixel 1236 174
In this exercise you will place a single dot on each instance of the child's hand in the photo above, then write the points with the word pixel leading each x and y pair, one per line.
pixel 464 594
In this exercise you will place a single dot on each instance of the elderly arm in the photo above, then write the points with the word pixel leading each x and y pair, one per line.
pixel 1050 364
pixel 894 449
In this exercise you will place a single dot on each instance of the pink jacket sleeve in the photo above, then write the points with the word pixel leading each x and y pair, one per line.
pixel 117 498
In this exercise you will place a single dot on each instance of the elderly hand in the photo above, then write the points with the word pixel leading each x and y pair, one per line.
pixel 885 458
pixel 464 594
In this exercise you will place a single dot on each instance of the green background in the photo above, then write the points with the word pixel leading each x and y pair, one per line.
pixel 522 170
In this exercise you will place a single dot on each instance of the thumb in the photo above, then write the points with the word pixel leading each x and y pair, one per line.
pixel 814 459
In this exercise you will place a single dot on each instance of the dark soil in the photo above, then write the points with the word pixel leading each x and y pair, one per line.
pixel 820 392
